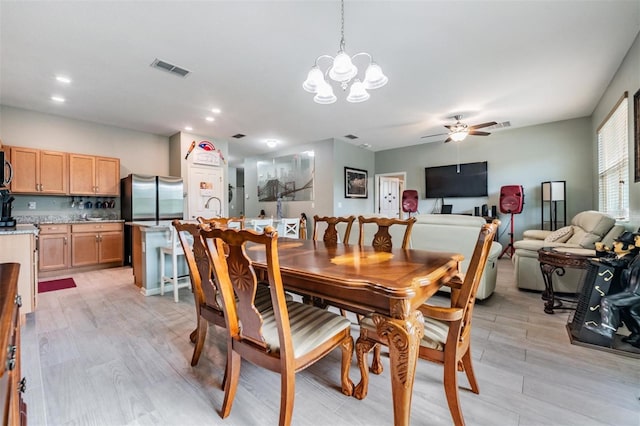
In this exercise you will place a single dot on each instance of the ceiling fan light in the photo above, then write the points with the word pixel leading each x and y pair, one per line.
pixel 314 79
pixel 342 69
pixel 374 78
pixel 325 94
pixel 459 135
pixel 357 93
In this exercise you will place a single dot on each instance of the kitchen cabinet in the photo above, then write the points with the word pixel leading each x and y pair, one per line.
pixel 96 243
pixel 54 247
pixel 12 384
pixel 91 175
pixel 38 171
pixel 19 245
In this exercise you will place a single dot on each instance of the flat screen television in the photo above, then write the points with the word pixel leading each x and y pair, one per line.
pixel 456 181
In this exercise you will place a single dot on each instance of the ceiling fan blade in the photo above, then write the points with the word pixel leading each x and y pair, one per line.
pixel 449 126
pixel 448 140
pixel 480 126
pixel 476 133
pixel 437 134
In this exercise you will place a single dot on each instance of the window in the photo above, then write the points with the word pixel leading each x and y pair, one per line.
pixel 613 162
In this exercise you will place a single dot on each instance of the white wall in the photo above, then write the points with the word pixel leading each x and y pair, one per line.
pixel 525 156
pixel 139 152
pixel 627 78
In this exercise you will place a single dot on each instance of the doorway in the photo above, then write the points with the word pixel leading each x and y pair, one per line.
pixel 388 198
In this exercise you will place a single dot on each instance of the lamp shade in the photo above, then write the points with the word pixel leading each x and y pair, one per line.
pixel 342 69
pixel 314 79
pixel 357 93
pixel 324 94
pixel 374 78
pixel 553 191
pixel 459 135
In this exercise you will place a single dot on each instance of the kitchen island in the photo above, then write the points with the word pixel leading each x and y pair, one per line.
pixel 148 237
pixel 18 244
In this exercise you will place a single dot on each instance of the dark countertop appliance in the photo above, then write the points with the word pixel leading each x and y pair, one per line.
pixel 6 220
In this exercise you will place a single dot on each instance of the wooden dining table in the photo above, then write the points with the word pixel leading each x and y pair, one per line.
pixel 390 285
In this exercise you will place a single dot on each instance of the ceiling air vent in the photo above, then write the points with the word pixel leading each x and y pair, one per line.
pixel 238 136
pixel 350 136
pixel 173 69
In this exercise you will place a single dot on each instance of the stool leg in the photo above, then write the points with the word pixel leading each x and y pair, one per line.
pixel 174 277
pixel 161 272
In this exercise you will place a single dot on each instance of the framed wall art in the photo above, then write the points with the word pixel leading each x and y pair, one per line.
pixel 355 183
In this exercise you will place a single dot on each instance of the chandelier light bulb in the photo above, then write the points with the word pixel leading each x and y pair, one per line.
pixel 357 93
pixel 374 78
pixel 343 69
pixel 314 79
pixel 325 94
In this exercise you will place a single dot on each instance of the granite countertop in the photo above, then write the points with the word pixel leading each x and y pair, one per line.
pixel 62 219
pixel 21 228
pixel 71 222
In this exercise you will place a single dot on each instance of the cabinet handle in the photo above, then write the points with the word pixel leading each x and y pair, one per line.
pixel 97 238
pixel 40 187
pixel 65 240
pixel 11 357
pixel 18 301
pixel 22 385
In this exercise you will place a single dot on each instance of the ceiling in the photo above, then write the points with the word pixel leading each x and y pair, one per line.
pixel 526 62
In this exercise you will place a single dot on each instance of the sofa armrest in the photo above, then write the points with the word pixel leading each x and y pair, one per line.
pixel 535 245
pixel 535 234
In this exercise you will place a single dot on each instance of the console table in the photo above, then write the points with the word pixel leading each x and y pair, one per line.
pixel 555 260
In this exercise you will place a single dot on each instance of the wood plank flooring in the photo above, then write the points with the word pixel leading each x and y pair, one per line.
pixel 102 354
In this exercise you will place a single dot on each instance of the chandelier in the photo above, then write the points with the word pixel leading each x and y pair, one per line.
pixel 342 70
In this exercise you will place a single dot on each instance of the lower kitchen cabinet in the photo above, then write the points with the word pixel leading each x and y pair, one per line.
pixel 96 243
pixel 55 247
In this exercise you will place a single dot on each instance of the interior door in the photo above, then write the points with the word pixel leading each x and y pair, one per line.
pixel 389 198
pixel 206 184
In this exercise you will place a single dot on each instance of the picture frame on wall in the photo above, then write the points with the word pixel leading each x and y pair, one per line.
pixel 356 183
pixel 636 133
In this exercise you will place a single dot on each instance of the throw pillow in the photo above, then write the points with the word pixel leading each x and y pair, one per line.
pixel 561 235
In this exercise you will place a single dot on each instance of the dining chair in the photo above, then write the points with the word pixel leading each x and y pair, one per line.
pixel 174 250
pixel 229 222
pixel 382 240
pixel 290 227
pixel 331 224
pixel 208 303
pixel 285 339
pixel 259 224
pixel 447 330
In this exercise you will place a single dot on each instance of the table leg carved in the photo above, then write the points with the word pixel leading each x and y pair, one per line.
pixel 548 294
pixel 402 335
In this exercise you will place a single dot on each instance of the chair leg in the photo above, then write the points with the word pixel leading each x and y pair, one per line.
pixel 363 346
pixel 468 369
pixel 203 326
pixel 193 335
pixel 347 354
pixel 451 390
pixel 287 394
pixel 376 363
pixel 231 378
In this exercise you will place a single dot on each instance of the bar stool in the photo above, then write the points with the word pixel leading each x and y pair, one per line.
pixel 174 249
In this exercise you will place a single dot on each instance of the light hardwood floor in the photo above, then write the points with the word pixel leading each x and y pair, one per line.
pixel 102 354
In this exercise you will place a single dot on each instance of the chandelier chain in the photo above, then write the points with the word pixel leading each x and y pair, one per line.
pixel 342 25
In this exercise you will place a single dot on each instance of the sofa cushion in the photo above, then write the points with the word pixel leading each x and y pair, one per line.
pixel 560 236
pixel 589 227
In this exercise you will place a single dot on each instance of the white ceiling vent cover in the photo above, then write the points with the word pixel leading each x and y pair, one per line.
pixel 173 69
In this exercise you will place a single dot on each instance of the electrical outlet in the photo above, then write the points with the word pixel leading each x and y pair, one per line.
pixel 31 205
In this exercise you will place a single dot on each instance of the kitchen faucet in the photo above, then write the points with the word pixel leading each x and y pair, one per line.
pixel 206 205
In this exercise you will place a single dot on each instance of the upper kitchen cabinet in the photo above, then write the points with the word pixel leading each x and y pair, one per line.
pixel 90 175
pixel 38 171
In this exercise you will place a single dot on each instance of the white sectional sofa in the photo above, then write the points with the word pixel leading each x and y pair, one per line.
pixel 444 232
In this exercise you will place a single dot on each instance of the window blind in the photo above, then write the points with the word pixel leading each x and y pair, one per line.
pixel 613 162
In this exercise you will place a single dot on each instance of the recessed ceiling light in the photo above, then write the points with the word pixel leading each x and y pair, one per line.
pixel 63 79
pixel 216 110
pixel 210 119
pixel 271 143
pixel 57 99
pixel 188 128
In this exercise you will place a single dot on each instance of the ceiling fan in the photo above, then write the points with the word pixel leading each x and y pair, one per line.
pixel 459 131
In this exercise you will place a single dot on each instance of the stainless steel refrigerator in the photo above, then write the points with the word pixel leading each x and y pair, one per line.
pixel 146 197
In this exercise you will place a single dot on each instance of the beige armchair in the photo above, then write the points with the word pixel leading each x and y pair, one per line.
pixel 586 229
